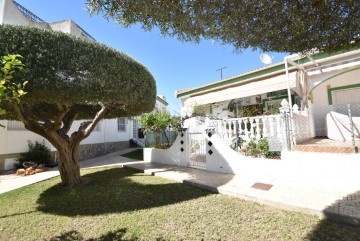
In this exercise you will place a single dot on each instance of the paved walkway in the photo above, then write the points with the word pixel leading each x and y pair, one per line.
pixel 11 181
pixel 305 197
pixel 292 195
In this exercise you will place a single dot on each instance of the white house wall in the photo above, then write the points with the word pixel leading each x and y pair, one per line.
pixel 319 103
pixel 66 26
pixel 16 141
pixel 10 14
pixel 160 105
pixel 320 94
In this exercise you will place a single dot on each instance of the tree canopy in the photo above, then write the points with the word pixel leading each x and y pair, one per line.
pixel 278 25
pixel 72 78
pixel 77 73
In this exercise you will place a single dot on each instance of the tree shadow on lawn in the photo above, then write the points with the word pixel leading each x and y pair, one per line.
pixel 115 190
pixel 331 230
pixel 74 235
pixel 336 225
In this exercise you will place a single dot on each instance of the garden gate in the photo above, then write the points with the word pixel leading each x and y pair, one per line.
pixel 197 146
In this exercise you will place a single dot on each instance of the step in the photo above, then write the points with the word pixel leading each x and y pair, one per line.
pixel 327 149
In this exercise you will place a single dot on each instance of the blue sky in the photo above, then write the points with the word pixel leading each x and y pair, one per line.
pixel 174 64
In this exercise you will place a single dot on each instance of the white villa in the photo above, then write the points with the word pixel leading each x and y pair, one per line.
pixel 317 137
pixel 318 84
pixel 109 136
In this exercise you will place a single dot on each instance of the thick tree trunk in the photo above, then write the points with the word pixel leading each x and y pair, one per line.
pixel 69 167
pixel 55 131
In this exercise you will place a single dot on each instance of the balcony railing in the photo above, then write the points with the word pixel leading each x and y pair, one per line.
pixel 85 34
pixel 29 14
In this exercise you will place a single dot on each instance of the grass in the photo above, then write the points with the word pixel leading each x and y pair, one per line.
pixel 137 154
pixel 120 204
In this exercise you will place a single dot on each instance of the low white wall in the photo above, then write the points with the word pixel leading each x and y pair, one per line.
pixel 225 160
pixel 171 156
pixel 327 170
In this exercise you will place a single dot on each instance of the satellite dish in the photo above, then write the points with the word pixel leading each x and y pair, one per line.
pixel 266 59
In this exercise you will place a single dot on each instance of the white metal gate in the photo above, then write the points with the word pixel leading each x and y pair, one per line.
pixel 197 145
pixel 197 150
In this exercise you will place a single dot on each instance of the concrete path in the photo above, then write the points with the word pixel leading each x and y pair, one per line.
pixel 330 201
pixel 11 181
pixel 291 195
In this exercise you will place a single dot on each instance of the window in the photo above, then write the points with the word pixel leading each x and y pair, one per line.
pixel 277 93
pixel 122 122
pixel 135 128
pixel 15 126
pixel 273 106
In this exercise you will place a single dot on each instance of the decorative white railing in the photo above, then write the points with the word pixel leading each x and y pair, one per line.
pixel 249 128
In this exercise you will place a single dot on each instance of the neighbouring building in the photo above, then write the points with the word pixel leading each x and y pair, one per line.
pixel 110 135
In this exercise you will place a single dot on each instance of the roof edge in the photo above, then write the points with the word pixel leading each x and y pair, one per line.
pixel 162 100
pixel 273 69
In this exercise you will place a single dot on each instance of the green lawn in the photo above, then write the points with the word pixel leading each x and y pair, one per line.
pixel 120 204
pixel 137 154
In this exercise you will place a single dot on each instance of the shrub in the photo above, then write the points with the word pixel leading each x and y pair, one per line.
pixel 261 147
pixel 37 153
pixel 252 149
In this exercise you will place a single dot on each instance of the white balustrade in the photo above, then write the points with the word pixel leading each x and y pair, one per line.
pixel 248 128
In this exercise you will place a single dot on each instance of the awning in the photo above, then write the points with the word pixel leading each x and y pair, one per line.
pixel 246 90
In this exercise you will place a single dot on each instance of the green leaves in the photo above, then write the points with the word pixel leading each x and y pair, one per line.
pixel 76 73
pixel 156 123
pixel 9 90
pixel 281 25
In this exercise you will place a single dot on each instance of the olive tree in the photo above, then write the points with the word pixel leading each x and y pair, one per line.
pixel 72 79
pixel 268 25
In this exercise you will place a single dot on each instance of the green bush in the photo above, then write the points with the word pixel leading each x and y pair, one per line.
pixel 261 147
pixel 37 153
pixel 252 148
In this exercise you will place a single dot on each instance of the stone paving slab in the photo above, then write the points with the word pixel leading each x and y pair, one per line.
pixel 320 200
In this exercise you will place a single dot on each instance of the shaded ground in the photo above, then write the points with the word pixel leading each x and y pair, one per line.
pixel 120 204
pixel 137 154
